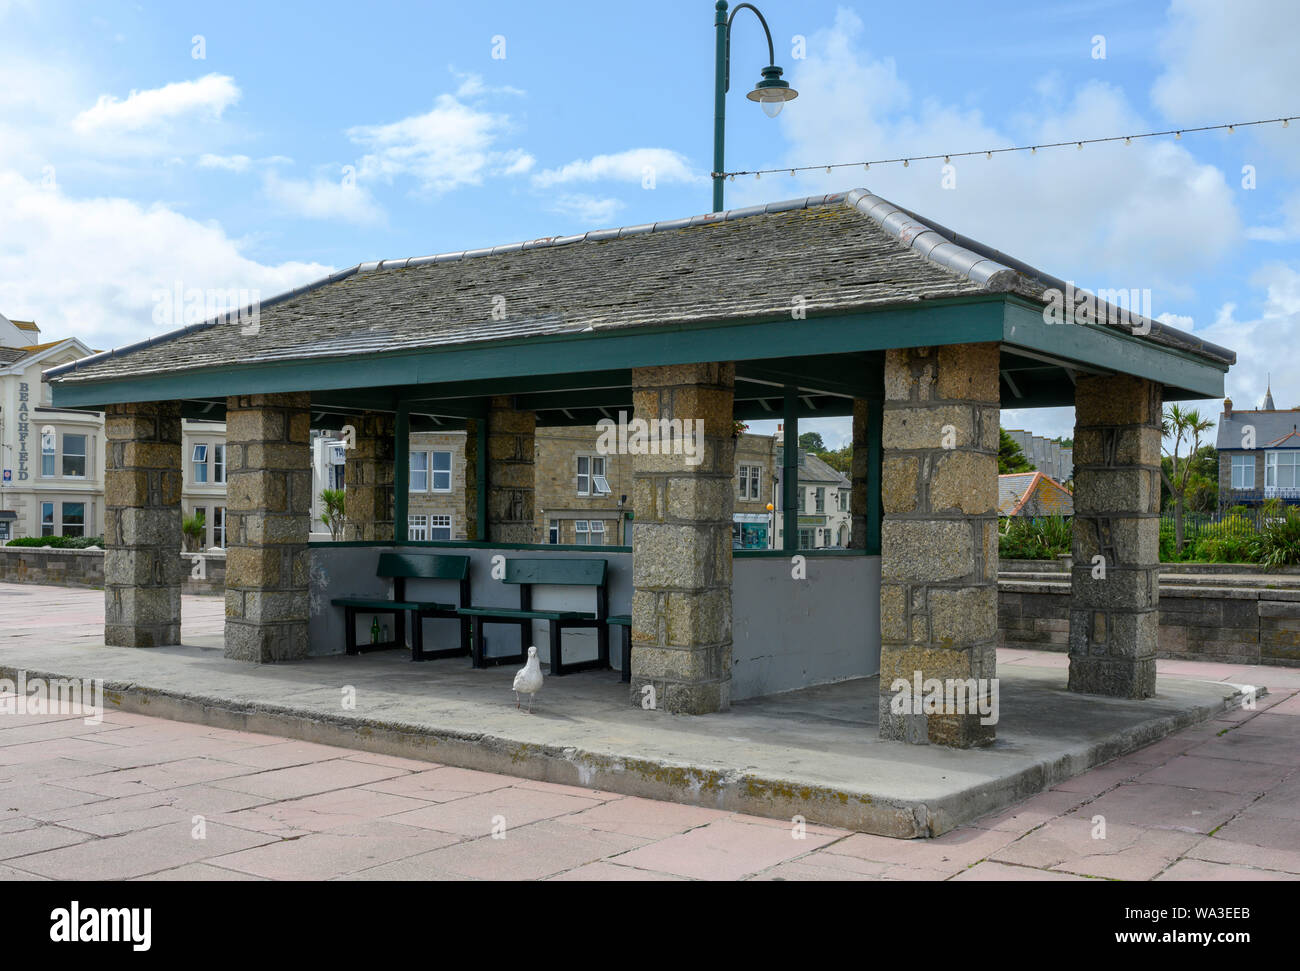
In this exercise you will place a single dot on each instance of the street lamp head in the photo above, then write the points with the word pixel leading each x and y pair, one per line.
pixel 772 93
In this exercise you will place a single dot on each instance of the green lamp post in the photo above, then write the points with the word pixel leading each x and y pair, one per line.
pixel 771 93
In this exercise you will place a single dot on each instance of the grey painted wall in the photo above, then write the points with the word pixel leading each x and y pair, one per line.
pixel 350 571
pixel 790 634
pixel 787 633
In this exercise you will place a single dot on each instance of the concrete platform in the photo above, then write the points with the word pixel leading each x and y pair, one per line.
pixel 812 752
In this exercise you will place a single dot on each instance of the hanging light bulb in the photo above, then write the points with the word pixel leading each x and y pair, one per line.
pixel 947 160
pixel 1286 122
pixel 757 176
pixel 1231 129
pixel 866 166
pixel 1178 136
pixel 1128 141
pixel 988 154
pixel 906 163
pixel 1080 146
pixel 828 170
pixel 1033 150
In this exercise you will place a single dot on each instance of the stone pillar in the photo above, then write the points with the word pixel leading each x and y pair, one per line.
pixel 143 568
pixel 470 512
pixel 865 521
pixel 368 477
pixel 1114 595
pixel 268 510
pixel 939 542
pixel 681 540
pixel 510 472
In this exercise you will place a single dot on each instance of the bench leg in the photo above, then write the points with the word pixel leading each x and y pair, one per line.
pixel 557 658
pixel 602 644
pixel 478 643
pixel 464 636
pixel 350 630
pixel 399 628
pixel 625 675
pixel 417 636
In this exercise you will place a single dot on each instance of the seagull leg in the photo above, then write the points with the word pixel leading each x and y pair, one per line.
pixel 516 699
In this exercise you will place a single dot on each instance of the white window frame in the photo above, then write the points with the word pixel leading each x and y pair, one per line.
pixel 586 479
pixel 85 517
pixel 751 482
pixel 440 523
pixel 53 526
pixel 590 528
pixel 50 451
pixel 84 456
pixel 1273 465
pixel 1243 469
pixel 423 471
pixel 219 463
pixel 417 528
pixel 219 526
pixel 819 499
pixel 199 463
pixel 435 472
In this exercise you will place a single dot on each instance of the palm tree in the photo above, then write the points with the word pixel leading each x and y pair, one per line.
pixel 1181 426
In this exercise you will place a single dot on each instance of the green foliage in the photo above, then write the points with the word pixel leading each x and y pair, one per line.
pixel 1278 541
pixel 812 442
pixel 334 514
pixel 841 460
pixel 58 542
pixel 194 528
pixel 1042 538
pixel 1010 458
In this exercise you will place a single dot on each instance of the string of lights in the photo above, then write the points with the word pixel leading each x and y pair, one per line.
pixel 947 157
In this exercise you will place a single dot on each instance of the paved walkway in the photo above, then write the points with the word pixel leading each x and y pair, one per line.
pixel 140 797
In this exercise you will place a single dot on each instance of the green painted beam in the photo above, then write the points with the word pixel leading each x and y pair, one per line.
pixel 1111 350
pixel 401 472
pixel 503 362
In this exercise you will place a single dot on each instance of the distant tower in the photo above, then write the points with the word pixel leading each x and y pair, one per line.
pixel 1268 397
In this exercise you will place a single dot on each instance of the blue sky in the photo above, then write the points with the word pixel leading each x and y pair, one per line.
pixel 310 137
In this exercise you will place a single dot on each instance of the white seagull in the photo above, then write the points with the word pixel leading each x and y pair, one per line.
pixel 528 679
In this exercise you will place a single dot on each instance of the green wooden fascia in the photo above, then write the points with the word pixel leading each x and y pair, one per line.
pixel 1110 349
pixel 968 320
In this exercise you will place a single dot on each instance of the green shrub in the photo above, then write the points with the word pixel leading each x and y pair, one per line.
pixel 1223 549
pixel 1278 541
pixel 1043 538
pixel 58 542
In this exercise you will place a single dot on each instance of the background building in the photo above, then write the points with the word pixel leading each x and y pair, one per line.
pixel 1259 454
pixel 1053 459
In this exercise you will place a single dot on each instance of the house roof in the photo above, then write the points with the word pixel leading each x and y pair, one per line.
pixel 26 325
pixel 814 469
pixel 841 253
pixel 1272 429
pixel 1017 488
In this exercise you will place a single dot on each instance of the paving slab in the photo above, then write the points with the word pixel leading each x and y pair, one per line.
pixel 812 753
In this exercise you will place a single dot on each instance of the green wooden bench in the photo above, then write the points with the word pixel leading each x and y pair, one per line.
pixel 527 573
pixel 400 567
pixel 625 654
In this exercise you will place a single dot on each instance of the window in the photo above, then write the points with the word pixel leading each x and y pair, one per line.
pixel 1280 470
pixel 219 526
pixel 1243 471
pixel 417 528
pixel 751 482
pixel 806 539
pixel 803 500
pixel 844 500
pixel 821 499
pixel 419 472
pixel 590 533
pixel 200 459
pixel 553 533
pixel 336 467
pixel 74 519
pixel 74 457
pixel 441 471
pixel 591 476
pixel 219 463
pixel 47 455
pixel 47 519
pixel 440 528
pixel 4 529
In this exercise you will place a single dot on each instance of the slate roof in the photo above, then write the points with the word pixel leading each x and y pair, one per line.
pixel 814 469
pixel 842 253
pixel 1033 493
pixel 1011 489
pixel 1272 429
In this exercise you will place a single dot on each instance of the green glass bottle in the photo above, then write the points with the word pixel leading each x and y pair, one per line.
pixel 374 631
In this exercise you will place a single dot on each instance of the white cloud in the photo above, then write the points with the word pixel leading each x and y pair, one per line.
pixel 586 209
pixel 208 96
pixel 454 144
pixel 231 163
pixel 634 165
pixel 321 198
pixel 1145 216
pixel 1263 344
pixel 89 267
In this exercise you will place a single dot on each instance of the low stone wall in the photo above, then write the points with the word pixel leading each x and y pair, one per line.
pixel 85 568
pixel 1243 615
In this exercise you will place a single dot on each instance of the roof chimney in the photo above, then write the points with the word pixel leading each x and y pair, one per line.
pixel 1227 407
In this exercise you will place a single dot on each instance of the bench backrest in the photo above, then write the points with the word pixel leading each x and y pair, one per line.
pixel 567 572
pixel 422 566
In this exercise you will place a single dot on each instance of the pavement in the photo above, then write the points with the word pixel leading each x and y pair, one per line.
pixel 49 624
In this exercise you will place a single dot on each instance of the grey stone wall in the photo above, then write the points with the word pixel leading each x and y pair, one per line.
pixel 85 568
